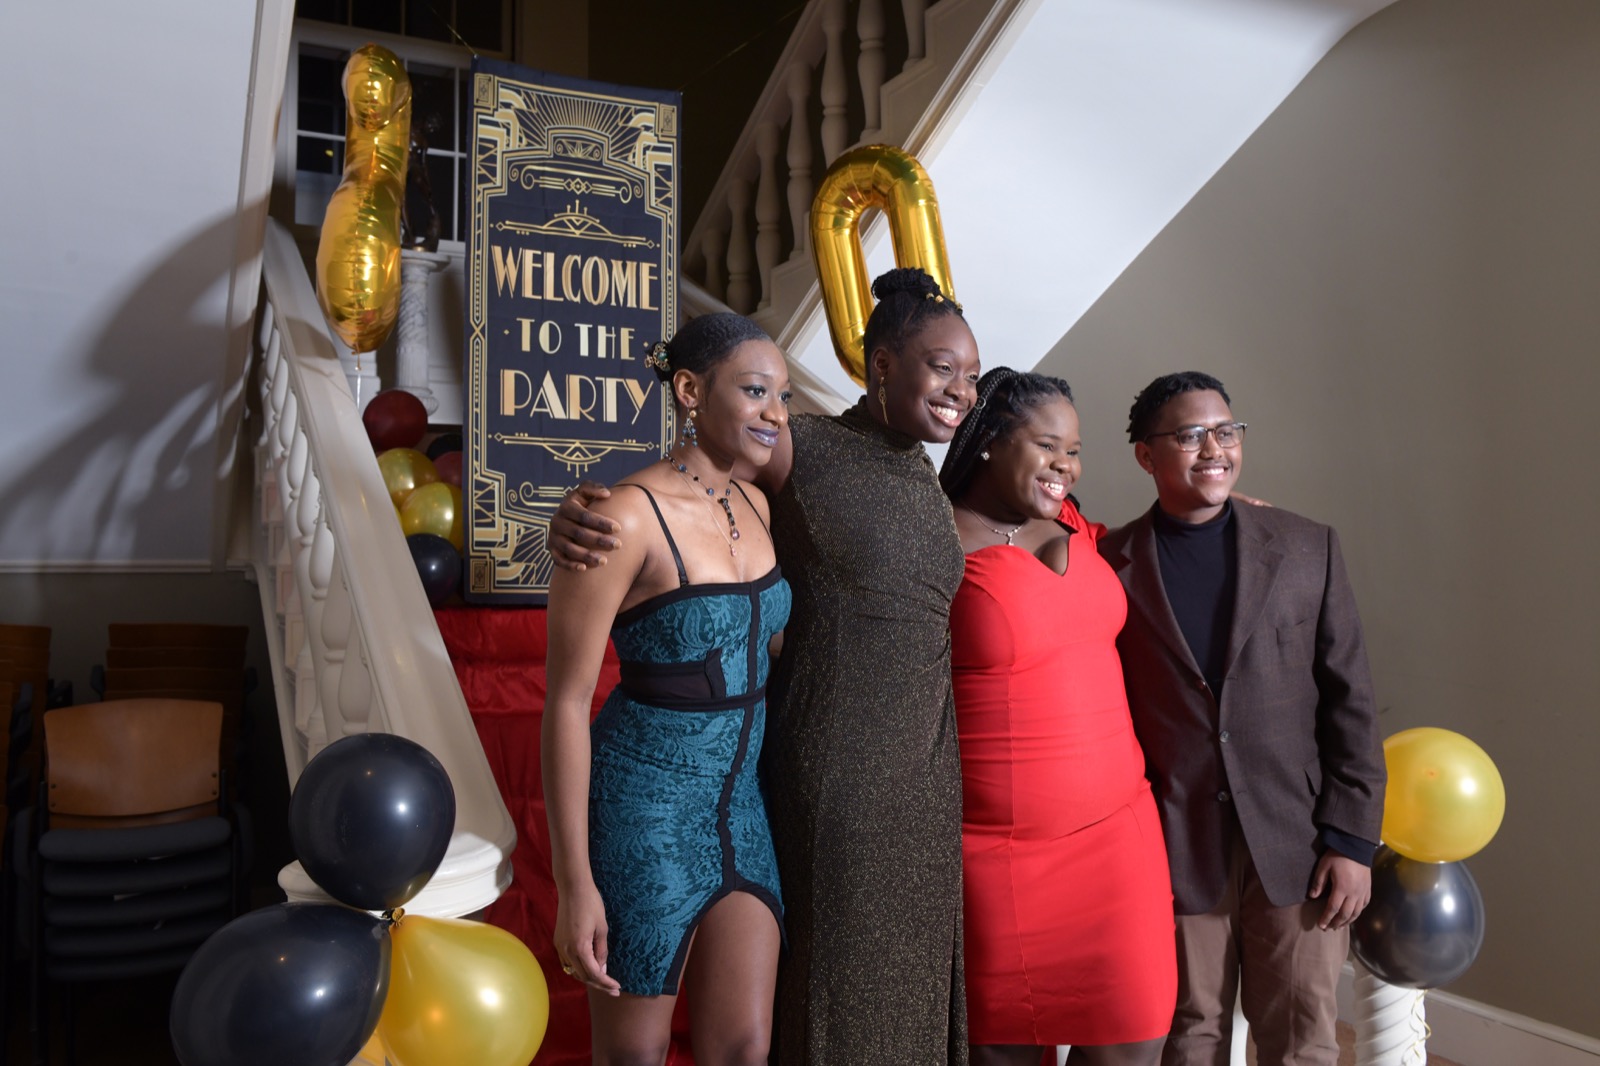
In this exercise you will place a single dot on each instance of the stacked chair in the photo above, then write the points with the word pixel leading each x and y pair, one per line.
pixel 133 853
pixel 25 664
pixel 183 661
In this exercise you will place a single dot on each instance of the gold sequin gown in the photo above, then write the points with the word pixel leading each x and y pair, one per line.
pixel 861 766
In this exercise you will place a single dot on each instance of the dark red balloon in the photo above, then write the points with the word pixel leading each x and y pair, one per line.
pixel 449 467
pixel 395 419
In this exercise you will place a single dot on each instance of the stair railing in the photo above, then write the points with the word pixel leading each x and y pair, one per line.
pixel 749 245
pixel 353 642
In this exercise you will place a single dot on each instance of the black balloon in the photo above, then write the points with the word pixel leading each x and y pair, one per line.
pixel 438 565
pixel 296 982
pixel 444 442
pixel 370 819
pixel 1424 925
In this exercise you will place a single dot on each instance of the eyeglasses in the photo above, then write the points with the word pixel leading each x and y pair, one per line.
pixel 1189 438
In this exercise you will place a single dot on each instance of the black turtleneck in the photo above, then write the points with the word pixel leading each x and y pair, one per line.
pixel 1200 570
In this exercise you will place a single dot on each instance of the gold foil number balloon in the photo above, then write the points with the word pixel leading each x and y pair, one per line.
pixel 887 178
pixel 358 255
pixel 462 992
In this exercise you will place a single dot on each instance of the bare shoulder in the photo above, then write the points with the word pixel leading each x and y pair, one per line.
pixel 627 504
pixel 758 500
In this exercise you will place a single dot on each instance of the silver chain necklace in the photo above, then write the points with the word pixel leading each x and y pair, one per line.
pixel 1008 534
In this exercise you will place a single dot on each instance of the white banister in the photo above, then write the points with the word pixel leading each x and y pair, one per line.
pixel 807 104
pixel 916 31
pixel 835 83
pixel 353 640
pixel 871 65
pixel 798 82
pixel 741 290
pixel 769 207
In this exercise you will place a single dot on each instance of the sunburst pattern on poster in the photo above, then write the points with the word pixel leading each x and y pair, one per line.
pixel 572 273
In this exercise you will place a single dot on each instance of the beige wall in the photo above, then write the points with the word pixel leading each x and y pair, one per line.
pixel 1396 277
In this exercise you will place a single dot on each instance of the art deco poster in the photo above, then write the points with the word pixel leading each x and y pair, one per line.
pixel 571 274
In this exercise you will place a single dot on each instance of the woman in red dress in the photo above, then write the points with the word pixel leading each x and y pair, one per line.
pixel 1068 902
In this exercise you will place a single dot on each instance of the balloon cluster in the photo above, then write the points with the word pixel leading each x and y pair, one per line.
pixel 320 984
pixel 425 487
pixel 1444 802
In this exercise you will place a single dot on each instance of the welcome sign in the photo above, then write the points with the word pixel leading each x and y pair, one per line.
pixel 571 275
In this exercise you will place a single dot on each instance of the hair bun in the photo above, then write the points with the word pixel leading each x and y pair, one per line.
pixel 911 280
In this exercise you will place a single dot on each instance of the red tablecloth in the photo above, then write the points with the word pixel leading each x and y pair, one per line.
pixel 499 658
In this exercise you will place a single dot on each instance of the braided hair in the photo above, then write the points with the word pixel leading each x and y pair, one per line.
pixel 908 299
pixel 1162 391
pixel 1004 399
pixel 702 343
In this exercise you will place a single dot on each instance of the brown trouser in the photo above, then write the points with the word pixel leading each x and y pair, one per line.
pixel 1275 960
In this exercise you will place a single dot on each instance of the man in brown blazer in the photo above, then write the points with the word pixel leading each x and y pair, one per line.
pixel 1248 683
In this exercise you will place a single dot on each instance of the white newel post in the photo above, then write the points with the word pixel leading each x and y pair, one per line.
pixel 411 369
pixel 1391 1023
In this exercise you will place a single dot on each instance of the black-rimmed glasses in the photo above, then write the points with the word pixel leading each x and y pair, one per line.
pixel 1189 438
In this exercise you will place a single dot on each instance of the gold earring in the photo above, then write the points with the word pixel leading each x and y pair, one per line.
pixel 883 400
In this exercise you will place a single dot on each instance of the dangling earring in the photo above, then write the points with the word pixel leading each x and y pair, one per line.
pixel 690 436
pixel 883 400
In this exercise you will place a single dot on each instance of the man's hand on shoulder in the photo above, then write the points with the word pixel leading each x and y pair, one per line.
pixel 1349 887
pixel 576 531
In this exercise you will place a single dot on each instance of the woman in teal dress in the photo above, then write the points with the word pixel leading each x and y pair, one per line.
pixel 660 846
pixel 861 767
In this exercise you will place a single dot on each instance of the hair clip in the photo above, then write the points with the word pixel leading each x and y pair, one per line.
pixel 656 357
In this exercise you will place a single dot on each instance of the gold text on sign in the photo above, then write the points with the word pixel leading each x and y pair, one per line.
pixel 532 274
pixel 574 397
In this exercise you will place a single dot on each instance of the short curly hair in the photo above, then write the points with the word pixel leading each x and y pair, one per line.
pixel 702 343
pixel 1156 395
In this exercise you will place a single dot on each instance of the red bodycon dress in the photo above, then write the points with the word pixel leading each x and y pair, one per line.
pixel 1068 903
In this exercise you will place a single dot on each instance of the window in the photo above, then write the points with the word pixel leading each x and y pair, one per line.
pixel 326 32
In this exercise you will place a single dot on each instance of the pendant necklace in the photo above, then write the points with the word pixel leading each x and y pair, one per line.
pixel 1008 534
pixel 732 533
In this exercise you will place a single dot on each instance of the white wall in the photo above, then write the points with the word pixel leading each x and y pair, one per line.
pixel 1396 277
pixel 124 134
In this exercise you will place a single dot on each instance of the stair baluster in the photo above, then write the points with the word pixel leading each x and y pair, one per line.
pixel 769 208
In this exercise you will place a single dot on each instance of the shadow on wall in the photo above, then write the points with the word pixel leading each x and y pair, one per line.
pixel 134 470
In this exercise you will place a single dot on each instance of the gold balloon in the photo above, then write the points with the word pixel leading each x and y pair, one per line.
pixel 888 178
pixel 436 509
pixel 1445 798
pixel 404 471
pixel 462 992
pixel 358 255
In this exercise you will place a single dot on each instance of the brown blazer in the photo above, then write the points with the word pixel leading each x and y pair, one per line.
pixel 1294 745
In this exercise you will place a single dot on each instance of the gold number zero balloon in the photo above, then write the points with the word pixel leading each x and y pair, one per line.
pixel 890 179
pixel 358 254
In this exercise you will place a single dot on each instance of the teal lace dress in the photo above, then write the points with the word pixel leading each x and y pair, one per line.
pixel 677 819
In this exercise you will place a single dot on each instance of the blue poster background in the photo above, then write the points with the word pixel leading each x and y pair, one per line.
pixel 571 275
